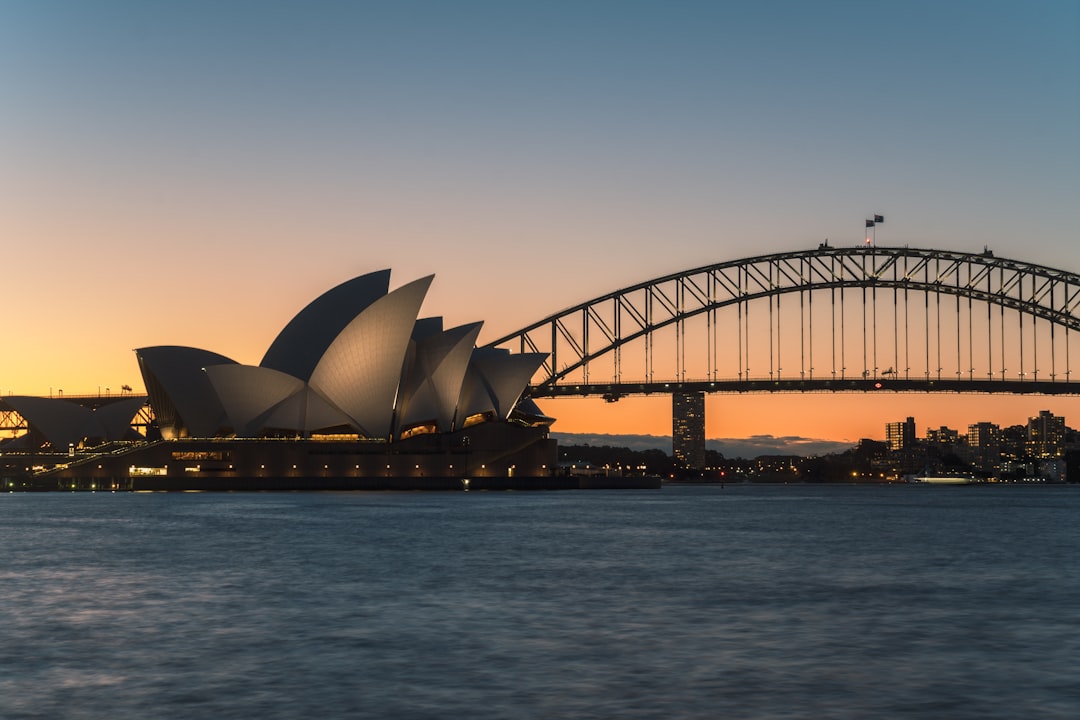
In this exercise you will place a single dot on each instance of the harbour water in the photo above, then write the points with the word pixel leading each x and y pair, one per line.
pixel 687 602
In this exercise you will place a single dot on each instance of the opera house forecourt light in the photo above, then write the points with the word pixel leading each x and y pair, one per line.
pixel 355 362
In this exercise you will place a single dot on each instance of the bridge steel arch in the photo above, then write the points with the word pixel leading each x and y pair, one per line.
pixel 1008 325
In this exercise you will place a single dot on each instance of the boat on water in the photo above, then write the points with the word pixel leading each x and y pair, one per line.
pixel 943 479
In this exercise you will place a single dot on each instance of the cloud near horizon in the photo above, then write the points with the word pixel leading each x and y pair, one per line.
pixel 749 447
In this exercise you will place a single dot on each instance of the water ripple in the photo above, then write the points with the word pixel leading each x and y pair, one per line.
pixel 748 602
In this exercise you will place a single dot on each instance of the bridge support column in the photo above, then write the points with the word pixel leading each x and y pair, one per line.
pixel 688 429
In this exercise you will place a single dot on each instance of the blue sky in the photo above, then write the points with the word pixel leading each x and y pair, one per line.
pixel 193 173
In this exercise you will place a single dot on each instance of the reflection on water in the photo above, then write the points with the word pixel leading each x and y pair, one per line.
pixel 749 602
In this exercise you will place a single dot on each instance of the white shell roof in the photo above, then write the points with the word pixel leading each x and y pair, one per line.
pixel 250 393
pixel 321 414
pixel 356 356
pixel 179 371
pixel 425 327
pixel 361 370
pixel 432 386
pixel 495 380
pixel 300 346
pixel 258 398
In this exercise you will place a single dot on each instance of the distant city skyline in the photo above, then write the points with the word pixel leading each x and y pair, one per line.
pixel 767 444
pixel 166 166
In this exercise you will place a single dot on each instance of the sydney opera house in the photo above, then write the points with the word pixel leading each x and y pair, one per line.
pixel 355 392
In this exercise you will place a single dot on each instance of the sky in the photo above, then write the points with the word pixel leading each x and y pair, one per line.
pixel 194 173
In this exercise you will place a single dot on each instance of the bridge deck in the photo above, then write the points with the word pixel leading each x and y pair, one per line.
pixel 613 391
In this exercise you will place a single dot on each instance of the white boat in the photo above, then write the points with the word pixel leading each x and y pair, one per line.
pixel 945 479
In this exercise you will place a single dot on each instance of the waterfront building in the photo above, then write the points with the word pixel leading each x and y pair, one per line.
pixel 944 437
pixel 984 443
pixel 906 453
pixel 900 435
pixel 1053 470
pixel 355 388
pixel 1046 435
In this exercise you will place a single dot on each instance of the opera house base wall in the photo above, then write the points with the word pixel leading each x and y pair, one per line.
pixel 489 456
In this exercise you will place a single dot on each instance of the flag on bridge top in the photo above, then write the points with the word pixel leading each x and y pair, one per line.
pixel 869 223
pixel 879 218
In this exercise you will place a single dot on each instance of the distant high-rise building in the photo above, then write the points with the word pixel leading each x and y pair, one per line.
pixel 984 439
pixel 1046 435
pixel 942 436
pixel 900 435
pixel 688 429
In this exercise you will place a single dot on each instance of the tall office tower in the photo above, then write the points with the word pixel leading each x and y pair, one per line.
pixel 688 429
pixel 942 436
pixel 1046 435
pixel 984 439
pixel 900 435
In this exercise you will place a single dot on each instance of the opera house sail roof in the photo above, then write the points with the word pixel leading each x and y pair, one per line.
pixel 302 343
pixel 435 371
pixel 183 400
pixel 356 360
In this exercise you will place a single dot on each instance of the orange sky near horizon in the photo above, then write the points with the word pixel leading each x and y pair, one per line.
pixel 91 351
pixel 196 173
pixel 841 417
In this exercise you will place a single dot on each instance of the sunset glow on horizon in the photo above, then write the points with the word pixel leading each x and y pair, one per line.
pixel 193 174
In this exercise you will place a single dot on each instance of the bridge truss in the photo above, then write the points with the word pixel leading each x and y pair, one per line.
pixel 829 319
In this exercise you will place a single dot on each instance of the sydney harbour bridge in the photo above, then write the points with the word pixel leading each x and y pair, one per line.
pixel 830 319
